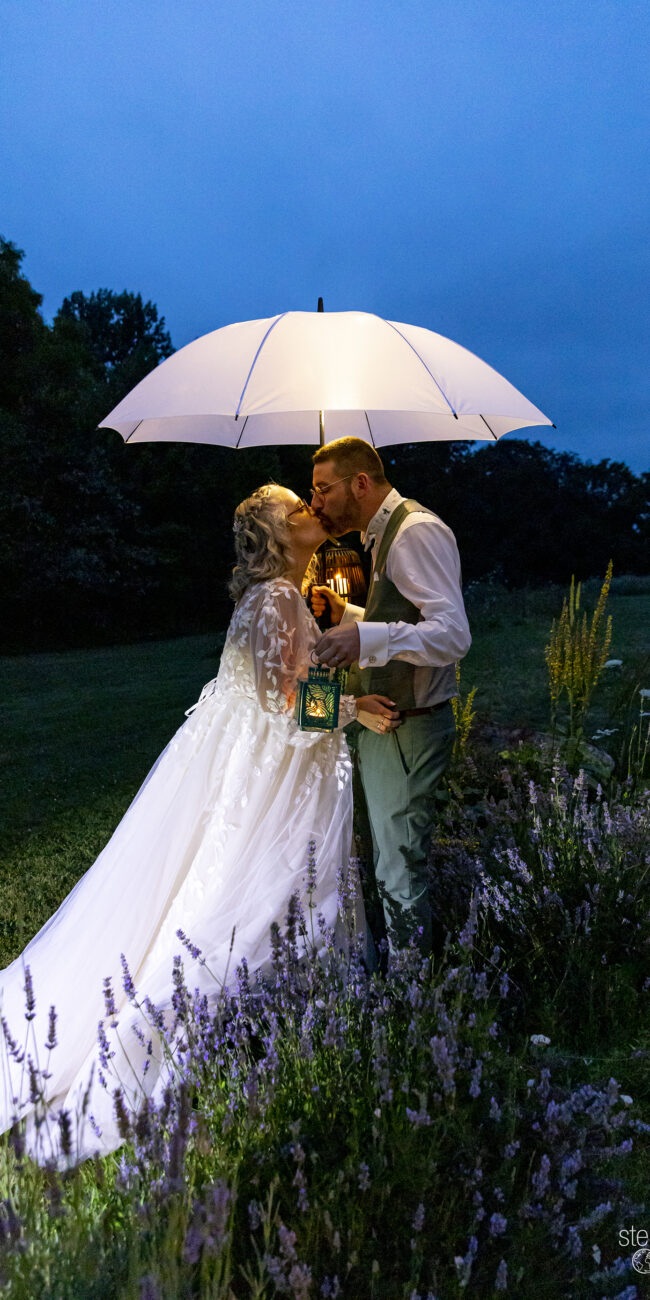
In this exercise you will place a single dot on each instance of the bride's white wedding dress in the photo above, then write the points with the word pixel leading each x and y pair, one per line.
pixel 216 838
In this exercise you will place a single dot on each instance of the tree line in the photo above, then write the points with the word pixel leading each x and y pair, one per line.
pixel 104 542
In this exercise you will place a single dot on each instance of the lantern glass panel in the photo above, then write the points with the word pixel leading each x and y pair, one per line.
pixel 317 701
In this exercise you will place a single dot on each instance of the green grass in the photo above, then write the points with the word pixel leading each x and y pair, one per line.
pixel 506 659
pixel 81 730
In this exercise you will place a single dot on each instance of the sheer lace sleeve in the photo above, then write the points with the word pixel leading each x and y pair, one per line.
pixel 279 645
pixel 282 636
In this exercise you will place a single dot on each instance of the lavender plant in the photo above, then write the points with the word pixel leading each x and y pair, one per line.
pixel 330 1133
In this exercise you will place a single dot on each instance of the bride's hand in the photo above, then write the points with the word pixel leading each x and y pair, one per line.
pixel 378 713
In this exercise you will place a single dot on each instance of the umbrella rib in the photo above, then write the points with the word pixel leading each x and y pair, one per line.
pixel 242 432
pixel 421 359
pixel 134 430
pixel 243 391
pixel 482 417
pixel 369 429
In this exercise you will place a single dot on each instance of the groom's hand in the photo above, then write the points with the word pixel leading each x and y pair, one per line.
pixel 339 646
pixel 323 596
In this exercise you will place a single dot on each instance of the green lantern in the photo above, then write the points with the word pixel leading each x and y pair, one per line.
pixel 317 699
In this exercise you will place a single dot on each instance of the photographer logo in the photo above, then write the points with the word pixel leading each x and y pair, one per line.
pixel 641 1260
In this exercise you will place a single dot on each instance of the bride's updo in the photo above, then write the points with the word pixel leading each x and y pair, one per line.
pixel 262 538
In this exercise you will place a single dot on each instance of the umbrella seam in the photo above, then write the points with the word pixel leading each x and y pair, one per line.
pixel 421 359
pixel 242 433
pixel 243 391
pixel 369 429
pixel 133 431
pixel 482 417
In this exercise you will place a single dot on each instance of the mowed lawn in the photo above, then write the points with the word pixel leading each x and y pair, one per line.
pixel 81 729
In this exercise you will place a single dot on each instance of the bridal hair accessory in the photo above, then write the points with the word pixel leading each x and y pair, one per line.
pixel 318 697
pixel 255 505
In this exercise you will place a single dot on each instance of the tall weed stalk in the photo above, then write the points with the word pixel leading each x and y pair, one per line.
pixel 575 657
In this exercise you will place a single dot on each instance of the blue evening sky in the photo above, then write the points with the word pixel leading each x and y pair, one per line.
pixel 478 167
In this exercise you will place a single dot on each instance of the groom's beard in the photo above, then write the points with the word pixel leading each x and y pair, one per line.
pixel 345 519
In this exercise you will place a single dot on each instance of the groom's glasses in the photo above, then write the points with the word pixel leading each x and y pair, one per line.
pixel 327 487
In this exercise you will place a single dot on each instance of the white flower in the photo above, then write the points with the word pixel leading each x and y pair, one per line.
pixel 627 1101
pixel 605 731
pixel 540 1040
pixel 377 1113
pixel 613 663
pixel 595 1250
pixel 644 692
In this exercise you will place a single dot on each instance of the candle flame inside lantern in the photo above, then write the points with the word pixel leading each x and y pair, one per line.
pixel 339 583
pixel 316 709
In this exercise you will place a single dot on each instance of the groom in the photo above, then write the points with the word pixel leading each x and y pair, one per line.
pixel 404 645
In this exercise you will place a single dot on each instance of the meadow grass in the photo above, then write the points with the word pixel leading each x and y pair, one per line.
pixel 80 729
pixel 332 1134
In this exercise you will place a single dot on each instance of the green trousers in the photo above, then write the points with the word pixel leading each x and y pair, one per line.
pixel 399 772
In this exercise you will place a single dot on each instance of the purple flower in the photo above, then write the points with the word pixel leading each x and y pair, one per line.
pixel 300 1281
pixel 51 1034
pixel 468 932
pixel 191 947
pixel 65 1132
pixel 475 1080
pixel 127 982
pixel 498 1225
pixel 464 1262
pixel 501 1279
pixel 287 1243
pixel 109 1002
pixel 30 1000
pixel 541 1179
pixel 443 1062
pixel 105 1054
pixel 330 1289
pixel 418 1118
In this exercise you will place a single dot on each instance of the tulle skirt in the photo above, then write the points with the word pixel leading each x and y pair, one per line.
pixel 215 841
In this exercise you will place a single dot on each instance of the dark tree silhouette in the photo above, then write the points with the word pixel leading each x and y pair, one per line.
pixel 102 541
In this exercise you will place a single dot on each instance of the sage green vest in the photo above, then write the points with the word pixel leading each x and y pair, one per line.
pixel 385 604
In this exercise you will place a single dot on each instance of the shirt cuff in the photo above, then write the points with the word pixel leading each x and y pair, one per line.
pixel 352 613
pixel 373 641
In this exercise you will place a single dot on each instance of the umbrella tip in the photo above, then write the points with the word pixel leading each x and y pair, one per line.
pixel 320 305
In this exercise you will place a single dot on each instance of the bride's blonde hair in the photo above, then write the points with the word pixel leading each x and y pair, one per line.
pixel 262 540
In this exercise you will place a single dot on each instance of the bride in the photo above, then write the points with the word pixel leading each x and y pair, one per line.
pixel 216 840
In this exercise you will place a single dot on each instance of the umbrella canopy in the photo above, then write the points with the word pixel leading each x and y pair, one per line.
pixel 309 377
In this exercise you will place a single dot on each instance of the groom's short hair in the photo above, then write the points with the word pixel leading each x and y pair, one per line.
pixel 352 456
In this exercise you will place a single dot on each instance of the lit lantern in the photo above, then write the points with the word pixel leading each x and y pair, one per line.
pixel 317 699
pixel 340 569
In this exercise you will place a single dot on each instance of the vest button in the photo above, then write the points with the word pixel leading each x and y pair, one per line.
pixel 372 659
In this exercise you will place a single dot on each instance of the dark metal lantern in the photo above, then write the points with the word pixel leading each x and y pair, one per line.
pixel 317 699
pixel 340 568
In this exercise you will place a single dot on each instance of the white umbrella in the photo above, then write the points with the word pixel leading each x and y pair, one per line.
pixel 312 377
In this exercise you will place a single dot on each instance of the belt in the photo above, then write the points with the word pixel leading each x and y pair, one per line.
pixel 418 713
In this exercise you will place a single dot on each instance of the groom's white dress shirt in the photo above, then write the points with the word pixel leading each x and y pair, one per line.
pixel 424 565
